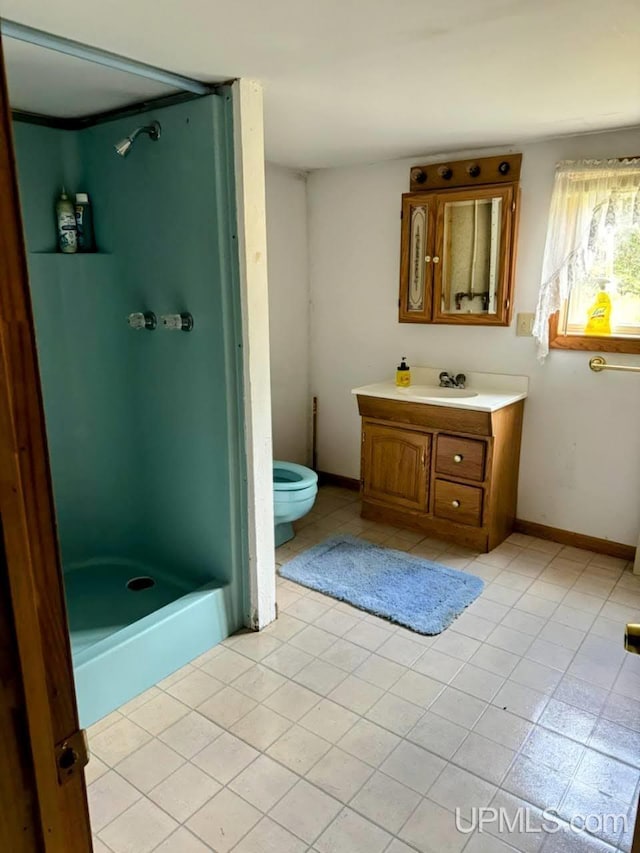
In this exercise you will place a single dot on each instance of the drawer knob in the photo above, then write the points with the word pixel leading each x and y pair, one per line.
pixel 458 457
pixel 455 504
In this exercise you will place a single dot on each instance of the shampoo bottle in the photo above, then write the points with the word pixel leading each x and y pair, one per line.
pixel 84 223
pixel 66 218
pixel 403 373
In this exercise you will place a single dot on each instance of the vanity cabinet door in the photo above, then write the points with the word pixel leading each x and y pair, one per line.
pixel 416 251
pixel 395 465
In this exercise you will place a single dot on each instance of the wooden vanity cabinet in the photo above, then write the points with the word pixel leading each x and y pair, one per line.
pixel 449 473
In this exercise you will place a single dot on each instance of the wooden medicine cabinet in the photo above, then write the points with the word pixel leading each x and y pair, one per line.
pixel 458 248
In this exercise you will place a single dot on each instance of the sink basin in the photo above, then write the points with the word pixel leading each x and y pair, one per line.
pixel 432 392
pixel 490 393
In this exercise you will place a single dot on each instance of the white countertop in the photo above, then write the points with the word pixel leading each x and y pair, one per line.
pixel 484 392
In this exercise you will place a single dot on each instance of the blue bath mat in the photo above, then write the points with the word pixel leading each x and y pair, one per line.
pixel 409 590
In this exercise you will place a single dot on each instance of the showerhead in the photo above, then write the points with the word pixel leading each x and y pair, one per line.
pixel 152 130
pixel 124 146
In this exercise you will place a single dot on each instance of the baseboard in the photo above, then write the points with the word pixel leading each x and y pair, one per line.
pixel 531 528
pixel 327 479
pixel 577 540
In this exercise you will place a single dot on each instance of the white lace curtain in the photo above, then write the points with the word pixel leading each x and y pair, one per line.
pixel 589 196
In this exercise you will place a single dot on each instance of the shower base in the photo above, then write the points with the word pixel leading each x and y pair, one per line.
pixel 132 625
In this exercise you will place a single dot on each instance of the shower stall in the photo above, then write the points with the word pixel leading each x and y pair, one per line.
pixel 144 420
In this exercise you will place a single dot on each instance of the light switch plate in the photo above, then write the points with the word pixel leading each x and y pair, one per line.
pixel 524 325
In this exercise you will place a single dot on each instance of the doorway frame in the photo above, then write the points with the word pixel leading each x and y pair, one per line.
pixel 37 657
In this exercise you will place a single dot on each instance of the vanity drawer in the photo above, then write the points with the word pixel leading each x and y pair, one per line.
pixel 458 503
pixel 460 457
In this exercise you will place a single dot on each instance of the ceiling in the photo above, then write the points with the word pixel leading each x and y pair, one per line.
pixel 356 81
pixel 53 84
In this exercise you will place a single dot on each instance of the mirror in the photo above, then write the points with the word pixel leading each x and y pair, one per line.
pixel 471 255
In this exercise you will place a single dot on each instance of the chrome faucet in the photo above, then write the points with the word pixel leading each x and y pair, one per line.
pixel 448 381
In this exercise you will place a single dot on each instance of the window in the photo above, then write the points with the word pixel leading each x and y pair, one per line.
pixel 590 292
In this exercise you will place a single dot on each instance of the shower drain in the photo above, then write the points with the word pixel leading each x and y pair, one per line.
pixel 136 584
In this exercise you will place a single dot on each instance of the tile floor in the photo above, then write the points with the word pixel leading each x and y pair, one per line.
pixel 334 731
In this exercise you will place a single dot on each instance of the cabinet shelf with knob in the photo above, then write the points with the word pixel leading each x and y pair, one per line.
pixel 449 473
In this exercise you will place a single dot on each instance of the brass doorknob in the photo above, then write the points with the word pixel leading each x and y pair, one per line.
pixel 632 638
pixel 436 259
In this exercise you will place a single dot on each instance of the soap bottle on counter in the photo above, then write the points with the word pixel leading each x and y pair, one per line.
pixel 84 223
pixel 403 374
pixel 66 219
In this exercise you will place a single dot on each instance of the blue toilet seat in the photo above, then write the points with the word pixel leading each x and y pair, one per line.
pixel 290 477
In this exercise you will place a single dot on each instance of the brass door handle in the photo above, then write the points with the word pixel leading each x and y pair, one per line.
pixel 632 638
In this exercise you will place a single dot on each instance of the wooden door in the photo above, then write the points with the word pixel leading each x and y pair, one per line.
pixel 472 269
pixel 416 248
pixel 43 803
pixel 395 465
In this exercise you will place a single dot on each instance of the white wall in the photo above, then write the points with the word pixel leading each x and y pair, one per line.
pixel 580 464
pixel 288 312
pixel 252 250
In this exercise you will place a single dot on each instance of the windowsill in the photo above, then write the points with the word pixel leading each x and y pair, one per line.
pixel 591 343
pixel 574 330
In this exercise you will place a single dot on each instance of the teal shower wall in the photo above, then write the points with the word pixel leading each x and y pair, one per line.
pixel 144 427
pixel 84 352
pixel 44 155
pixel 157 210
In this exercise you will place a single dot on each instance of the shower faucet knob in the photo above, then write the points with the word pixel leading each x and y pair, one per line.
pixel 142 320
pixel 178 322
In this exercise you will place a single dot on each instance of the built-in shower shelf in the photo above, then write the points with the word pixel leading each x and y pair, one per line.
pixel 73 254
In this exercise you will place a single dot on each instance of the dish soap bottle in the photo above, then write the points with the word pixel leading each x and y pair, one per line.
pixel 403 374
pixel 599 314
pixel 66 218
pixel 84 224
